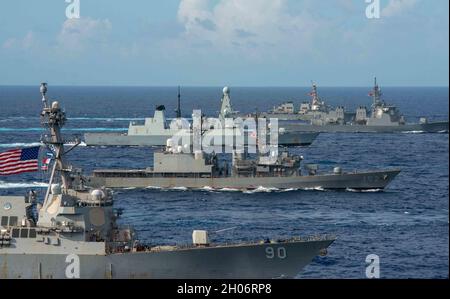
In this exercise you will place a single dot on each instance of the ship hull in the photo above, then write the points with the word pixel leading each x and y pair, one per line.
pixel 438 127
pixel 118 139
pixel 348 116
pixel 263 261
pixel 356 181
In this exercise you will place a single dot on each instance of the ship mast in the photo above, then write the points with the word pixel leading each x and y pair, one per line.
pixel 376 95
pixel 315 102
pixel 54 118
pixel 178 110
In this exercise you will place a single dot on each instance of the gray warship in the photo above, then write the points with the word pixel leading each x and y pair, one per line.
pixel 175 168
pixel 316 109
pixel 383 118
pixel 74 234
pixel 156 130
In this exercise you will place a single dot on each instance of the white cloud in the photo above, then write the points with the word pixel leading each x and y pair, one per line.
pixel 20 43
pixel 397 7
pixel 78 34
pixel 246 25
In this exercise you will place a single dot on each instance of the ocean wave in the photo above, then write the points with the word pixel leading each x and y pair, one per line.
pixel 21 129
pixel 314 189
pixel 106 119
pixel 31 144
pixel 413 132
pixel 99 129
pixel 67 129
pixel 364 191
pixel 262 190
pixel 153 188
pixel 8 185
pixel 13 145
pixel 179 189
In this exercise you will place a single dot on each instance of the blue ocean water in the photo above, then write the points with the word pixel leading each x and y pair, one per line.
pixel 406 225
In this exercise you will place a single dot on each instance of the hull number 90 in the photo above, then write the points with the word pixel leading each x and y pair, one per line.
pixel 279 253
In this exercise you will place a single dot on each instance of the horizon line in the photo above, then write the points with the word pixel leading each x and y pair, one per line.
pixel 221 86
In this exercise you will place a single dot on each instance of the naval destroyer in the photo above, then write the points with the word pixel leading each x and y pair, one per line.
pixel 73 234
pixel 157 129
pixel 174 167
pixel 317 116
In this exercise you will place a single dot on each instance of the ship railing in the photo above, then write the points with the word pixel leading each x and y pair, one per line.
pixel 281 240
pixel 59 229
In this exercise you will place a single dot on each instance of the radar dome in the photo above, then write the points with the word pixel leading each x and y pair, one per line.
pixel 226 90
pixel 97 194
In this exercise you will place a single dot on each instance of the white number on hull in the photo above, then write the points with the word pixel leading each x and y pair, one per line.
pixel 73 269
pixel 279 253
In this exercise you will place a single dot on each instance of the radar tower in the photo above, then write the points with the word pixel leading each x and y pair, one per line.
pixel 54 118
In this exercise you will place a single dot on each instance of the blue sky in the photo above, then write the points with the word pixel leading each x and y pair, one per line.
pixel 224 42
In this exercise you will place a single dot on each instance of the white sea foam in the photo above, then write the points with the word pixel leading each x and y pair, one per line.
pixel 107 119
pixel 364 191
pixel 8 185
pixel 153 188
pixel 261 189
pixel 11 145
pixel 314 189
pixel 413 132
pixel 98 129
pixel 66 129
pixel 229 190
pixel 179 188
pixel 31 144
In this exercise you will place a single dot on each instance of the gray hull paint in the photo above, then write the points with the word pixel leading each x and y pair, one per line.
pixel 357 181
pixel 118 139
pixel 438 127
pixel 348 116
pixel 242 262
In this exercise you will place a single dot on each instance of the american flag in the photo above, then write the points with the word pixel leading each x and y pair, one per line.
pixel 19 161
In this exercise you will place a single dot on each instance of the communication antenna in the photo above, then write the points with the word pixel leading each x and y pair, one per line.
pixel 178 110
